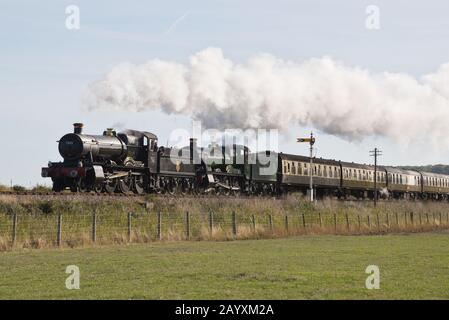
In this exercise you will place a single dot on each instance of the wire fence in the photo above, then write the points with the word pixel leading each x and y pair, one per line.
pixel 71 230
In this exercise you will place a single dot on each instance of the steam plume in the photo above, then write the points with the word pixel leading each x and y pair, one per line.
pixel 267 92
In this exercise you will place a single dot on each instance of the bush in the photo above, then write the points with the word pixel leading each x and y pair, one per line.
pixel 41 188
pixel 18 188
pixel 4 188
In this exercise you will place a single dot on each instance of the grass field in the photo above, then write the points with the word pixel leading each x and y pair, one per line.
pixel 412 266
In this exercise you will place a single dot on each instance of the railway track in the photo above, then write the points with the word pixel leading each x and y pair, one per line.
pixel 65 194
pixel 93 195
pixel 127 195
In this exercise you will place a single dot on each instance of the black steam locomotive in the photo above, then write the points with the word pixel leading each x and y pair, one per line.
pixel 131 161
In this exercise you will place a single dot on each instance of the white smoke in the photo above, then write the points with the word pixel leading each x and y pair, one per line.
pixel 267 92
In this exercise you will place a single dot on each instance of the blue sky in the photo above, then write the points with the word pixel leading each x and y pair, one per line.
pixel 45 68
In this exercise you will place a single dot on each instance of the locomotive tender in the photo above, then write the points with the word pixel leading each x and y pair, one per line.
pixel 131 161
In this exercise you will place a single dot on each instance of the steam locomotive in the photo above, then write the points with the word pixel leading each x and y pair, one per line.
pixel 132 161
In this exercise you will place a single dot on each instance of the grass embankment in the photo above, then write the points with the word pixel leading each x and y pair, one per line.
pixel 414 266
pixel 209 219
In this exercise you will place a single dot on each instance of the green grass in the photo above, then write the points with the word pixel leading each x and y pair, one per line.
pixel 412 266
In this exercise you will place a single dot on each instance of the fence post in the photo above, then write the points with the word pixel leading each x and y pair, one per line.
pixel 335 222
pixel 321 219
pixel 440 218
pixel 388 220
pixel 347 221
pixel 420 219
pixel 129 226
pixel 369 222
pixel 234 225
pixel 211 222
pixel 187 225
pixel 14 229
pixel 253 218
pixel 427 217
pixel 303 221
pixel 94 227
pixel 405 219
pixel 378 221
pixel 159 222
pixel 397 219
pixel 286 223
pixel 59 231
pixel 270 222
pixel 359 222
pixel 411 218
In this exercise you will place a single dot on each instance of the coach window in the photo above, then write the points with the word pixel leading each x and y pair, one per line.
pixel 293 168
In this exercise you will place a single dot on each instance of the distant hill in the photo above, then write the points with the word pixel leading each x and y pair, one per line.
pixel 437 168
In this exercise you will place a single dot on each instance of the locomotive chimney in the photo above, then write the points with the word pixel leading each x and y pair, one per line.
pixel 193 151
pixel 78 128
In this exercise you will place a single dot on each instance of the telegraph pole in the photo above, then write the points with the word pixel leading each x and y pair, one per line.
pixel 375 153
pixel 311 141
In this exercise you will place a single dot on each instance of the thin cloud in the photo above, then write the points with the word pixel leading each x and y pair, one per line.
pixel 176 22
